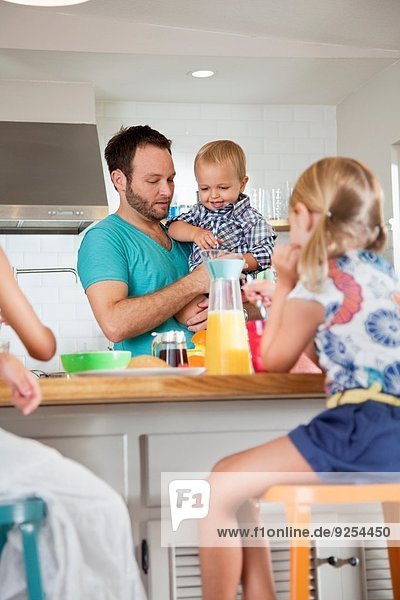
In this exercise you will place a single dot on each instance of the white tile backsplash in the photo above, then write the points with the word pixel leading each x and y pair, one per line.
pixel 147 110
pixel 294 130
pixel 23 243
pixel 262 129
pixel 185 111
pixel 278 113
pixel 216 112
pixel 324 129
pixel 309 113
pixel 279 141
pixel 309 146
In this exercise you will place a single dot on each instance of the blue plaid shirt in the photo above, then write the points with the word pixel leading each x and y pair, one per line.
pixel 239 227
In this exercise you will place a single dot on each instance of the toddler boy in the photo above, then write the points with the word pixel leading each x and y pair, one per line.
pixel 223 217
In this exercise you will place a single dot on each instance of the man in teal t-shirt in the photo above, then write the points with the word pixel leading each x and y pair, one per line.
pixel 135 276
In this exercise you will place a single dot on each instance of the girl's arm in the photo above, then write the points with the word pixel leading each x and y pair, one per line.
pixel 292 323
pixel 185 232
pixel 19 314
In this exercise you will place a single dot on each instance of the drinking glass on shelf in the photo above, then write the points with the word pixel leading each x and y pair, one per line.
pixel 269 209
pixel 277 203
pixel 287 192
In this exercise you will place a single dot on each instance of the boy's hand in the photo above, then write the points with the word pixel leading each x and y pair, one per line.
pixel 284 260
pixel 205 239
pixel 26 393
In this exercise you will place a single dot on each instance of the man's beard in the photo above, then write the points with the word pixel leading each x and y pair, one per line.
pixel 141 206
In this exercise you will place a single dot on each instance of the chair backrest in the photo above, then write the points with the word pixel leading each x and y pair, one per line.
pixel 26 514
pixel 15 512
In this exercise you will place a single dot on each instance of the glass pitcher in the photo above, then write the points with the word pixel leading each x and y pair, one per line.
pixel 227 347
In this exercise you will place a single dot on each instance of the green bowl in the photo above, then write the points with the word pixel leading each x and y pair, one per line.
pixel 95 361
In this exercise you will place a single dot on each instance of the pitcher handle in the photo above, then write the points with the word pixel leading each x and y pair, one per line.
pixel 154 344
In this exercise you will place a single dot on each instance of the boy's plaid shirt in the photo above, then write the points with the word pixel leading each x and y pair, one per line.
pixel 239 227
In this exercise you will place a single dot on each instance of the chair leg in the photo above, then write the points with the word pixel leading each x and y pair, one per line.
pixel 31 560
pixel 394 561
pixel 299 573
pixel 299 555
pixel 391 512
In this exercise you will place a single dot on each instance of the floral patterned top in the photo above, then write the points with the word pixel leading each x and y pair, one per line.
pixel 359 342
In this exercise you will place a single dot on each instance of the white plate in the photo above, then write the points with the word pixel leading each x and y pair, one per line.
pixel 149 372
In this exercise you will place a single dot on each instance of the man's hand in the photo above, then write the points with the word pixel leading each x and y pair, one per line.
pixel 201 275
pixel 199 321
pixel 26 393
pixel 205 239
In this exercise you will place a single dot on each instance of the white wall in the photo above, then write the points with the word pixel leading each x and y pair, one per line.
pixel 47 101
pixel 58 300
pixel 368 124
pixel 280 141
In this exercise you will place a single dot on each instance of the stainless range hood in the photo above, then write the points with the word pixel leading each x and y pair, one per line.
pixel 51 177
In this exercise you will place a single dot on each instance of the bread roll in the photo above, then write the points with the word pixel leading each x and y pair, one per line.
pixel 145 361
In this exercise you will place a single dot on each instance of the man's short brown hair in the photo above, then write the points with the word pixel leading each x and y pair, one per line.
pixel 121 149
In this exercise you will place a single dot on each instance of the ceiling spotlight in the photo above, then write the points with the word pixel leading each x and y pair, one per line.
pixel 202 73
pixel 47 2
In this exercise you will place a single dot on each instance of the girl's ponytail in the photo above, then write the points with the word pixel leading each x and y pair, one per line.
pixel 349 201
pixel 313 263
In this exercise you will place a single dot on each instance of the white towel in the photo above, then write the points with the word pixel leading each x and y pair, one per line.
pixel 85 544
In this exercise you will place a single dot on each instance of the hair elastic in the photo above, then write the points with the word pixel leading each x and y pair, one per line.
pixel 376 230
pixel 328 214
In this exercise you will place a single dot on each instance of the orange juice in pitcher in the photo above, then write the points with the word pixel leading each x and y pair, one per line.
pixel 227 348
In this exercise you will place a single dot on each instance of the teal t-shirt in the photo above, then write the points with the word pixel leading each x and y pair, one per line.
pixel 114 250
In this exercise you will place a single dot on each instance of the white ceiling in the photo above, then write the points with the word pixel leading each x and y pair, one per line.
pixel 263 51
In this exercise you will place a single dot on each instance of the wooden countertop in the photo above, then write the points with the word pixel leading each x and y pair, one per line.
pixel 117 390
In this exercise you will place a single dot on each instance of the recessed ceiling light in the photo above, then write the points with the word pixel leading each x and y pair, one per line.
pixel 47 2
pixel 202 73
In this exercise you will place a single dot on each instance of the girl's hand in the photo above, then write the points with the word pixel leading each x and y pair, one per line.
pixel 205 239
pixel 284 260
pixel 259 289
pixel 26 393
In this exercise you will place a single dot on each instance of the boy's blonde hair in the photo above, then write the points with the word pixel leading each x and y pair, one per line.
pixel 222 151
pixel 350 200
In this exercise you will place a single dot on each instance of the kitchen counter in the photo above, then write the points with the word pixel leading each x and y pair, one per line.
pixel 130 430
pixel 120 390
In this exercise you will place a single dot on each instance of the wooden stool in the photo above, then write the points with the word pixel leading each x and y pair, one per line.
pixel 298 500
pixel 27 515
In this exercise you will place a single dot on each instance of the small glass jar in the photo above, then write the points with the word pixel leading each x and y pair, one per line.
pixel 171 347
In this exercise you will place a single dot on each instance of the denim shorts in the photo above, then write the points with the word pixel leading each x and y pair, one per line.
pixel 352 438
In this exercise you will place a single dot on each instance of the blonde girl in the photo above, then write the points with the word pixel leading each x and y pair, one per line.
pixel 337 300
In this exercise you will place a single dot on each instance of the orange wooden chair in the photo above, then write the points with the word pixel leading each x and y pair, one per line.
pixel 298 501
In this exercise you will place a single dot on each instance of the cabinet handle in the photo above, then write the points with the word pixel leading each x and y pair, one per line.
pixel 336 562
pixel 145 556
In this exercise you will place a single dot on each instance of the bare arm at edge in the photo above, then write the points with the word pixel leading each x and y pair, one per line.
pixel 19 314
